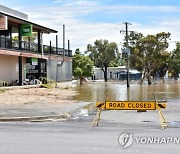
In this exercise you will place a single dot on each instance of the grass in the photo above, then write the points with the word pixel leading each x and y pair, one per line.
pixel 2 90
pixel 66 87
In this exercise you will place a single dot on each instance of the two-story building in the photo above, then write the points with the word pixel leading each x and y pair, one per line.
pixel 23 54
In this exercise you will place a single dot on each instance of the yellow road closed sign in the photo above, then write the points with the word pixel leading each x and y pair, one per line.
pixel 123 105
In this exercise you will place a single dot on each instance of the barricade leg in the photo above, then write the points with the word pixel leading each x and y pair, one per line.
pixel 97 118
pixel 163 121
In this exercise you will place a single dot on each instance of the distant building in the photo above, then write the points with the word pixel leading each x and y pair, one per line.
pixel 116 73
pixel 21 58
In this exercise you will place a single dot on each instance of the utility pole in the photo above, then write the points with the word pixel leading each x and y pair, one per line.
pixel 63 41
pixel 56 44
pixel 127 51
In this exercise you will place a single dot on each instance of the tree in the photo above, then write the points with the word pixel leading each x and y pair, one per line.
pixel 103 54
pixel 163 61
pixel 82 66
pixel 33 37
pixel 77 51
pixel 174 67
pixel 148 54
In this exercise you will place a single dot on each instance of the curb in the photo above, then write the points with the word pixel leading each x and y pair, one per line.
pixel 36 118
pixel 21 87
pixel 61 117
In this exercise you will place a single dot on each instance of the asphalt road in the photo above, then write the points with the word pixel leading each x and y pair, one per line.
pixel 75 136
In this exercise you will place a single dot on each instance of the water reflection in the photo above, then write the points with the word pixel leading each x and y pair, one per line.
pixel 116 91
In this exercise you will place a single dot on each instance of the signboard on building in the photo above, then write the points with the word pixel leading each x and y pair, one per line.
pixel 17 67
pixel 34 61
pixel 26 30
pixel 125 52
pixel 3 23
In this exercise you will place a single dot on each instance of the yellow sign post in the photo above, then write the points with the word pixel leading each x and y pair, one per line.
pixel 131 105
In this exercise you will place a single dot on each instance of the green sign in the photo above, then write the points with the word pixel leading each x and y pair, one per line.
pixel 26 30
pixel 34 61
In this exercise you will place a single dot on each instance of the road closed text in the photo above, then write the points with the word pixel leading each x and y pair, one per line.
pixel 130 105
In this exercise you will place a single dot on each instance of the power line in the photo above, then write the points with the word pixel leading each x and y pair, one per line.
pixel 109 30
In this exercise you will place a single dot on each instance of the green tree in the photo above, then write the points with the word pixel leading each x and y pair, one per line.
pixel 103 54
pixel 82 66
pixel 174 67
pixel 163 61
pixel 33 37
pixel 148 54
pixel 77 51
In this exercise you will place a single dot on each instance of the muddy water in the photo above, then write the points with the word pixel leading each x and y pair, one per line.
pixel 116 91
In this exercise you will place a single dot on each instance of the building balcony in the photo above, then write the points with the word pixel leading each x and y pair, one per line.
pixel 31 47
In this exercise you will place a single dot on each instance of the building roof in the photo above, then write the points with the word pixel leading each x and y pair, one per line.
pixel 18 20
pixel 130 72
pixel 13 12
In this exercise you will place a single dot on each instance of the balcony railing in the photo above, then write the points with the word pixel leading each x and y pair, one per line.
pixel 18 45
pixel 8 43
pixel 56 51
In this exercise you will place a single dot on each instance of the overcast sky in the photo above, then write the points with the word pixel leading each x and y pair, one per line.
pixel 88 20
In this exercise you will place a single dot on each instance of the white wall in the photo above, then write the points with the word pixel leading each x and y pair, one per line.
pixel 9 68
pixel 99 75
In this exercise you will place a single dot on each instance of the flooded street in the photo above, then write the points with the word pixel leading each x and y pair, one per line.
pixel 117 91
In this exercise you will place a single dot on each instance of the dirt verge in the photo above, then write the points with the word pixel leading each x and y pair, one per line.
pixel 36 95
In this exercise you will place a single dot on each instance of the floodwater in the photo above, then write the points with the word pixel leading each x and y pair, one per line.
pixel 117 91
